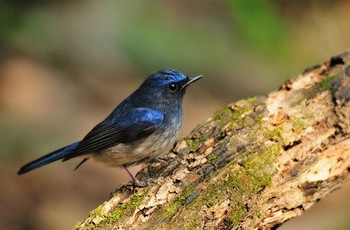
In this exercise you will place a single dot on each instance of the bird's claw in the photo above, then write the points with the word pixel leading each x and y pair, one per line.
pixel 140 184
pixel 164 158
pixel 133 184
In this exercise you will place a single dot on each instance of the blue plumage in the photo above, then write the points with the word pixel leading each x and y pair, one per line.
pixel 141 128
pixel 164 77
pixel 49 158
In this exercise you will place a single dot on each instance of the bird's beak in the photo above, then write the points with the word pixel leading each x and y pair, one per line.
pixel 191 80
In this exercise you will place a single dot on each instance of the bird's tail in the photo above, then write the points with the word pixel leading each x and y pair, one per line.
pixel 49 158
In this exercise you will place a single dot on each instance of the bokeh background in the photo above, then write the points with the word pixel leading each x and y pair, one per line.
pixel 64 65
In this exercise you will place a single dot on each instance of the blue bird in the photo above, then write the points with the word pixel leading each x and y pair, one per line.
pixel 141 128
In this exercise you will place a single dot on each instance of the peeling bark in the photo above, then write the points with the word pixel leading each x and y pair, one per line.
pixel 253 165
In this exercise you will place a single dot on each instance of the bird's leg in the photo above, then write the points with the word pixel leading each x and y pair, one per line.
pixel 136 182
pixel 82 162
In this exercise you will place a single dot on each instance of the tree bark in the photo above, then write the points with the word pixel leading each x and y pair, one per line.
pixel 253 165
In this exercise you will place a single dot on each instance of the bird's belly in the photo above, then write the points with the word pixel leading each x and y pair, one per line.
pixel 138 152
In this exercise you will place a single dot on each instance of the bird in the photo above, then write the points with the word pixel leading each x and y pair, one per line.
pixel 141 128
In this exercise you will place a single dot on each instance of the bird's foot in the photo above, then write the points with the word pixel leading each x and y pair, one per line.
pixel 135 182
pixel 132 185
pixel 140 184
pixel 164 158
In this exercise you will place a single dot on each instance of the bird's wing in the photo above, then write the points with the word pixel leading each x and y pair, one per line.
pixel 137 124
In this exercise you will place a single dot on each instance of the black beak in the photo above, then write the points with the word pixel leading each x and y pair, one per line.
pixel 191 80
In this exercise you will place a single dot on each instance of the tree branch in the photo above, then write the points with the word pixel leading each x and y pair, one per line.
pixel 253 165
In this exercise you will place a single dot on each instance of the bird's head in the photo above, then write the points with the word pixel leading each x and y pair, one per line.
pixel 167 86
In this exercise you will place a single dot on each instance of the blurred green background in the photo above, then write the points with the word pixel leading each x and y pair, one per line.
pixel 64 65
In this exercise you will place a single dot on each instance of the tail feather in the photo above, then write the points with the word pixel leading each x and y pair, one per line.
pixel 49 158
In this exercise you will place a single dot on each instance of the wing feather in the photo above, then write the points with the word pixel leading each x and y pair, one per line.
pixel 137 124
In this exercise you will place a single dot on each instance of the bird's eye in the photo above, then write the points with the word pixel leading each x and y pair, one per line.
pixel 172 87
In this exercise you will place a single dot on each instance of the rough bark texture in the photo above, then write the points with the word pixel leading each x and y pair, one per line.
pixel 253 165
